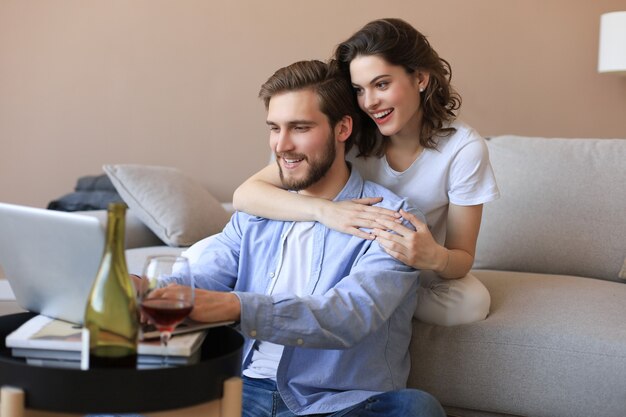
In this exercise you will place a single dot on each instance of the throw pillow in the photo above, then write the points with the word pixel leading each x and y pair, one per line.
pixel 179 210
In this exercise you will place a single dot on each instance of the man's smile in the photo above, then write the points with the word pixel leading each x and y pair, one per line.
pixel 291 161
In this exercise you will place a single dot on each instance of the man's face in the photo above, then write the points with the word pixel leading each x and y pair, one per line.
pixel 301 138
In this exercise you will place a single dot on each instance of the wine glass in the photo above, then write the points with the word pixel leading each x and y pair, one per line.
pixel 166 294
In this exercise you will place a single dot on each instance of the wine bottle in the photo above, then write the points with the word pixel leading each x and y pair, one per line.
pixel 111 314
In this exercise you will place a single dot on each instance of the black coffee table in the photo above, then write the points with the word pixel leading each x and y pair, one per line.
pixel 123 390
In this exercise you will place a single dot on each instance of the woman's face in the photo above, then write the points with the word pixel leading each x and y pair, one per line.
pixel 388 94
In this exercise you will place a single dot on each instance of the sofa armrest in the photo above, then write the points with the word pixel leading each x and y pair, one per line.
pixel 136 257
pixel 141 242
pixel 138 235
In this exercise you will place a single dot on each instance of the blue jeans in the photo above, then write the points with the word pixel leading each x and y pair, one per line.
pixel 261 399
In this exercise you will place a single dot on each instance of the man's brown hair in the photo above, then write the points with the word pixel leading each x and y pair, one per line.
pixel 334 92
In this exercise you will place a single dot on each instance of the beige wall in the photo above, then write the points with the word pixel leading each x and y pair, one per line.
pixel 84 83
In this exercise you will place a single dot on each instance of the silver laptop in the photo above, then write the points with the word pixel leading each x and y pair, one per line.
pixel 50 258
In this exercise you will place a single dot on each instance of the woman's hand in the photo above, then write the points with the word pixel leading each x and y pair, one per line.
pixel 414 248
pixel 420 250
pixel 350 215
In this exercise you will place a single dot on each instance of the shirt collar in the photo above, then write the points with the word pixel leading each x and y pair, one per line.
pixel 354 186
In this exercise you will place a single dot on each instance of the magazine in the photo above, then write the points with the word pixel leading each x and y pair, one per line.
pixel 50 357
pixel 142 362
pixel 44 338
pixel 148 331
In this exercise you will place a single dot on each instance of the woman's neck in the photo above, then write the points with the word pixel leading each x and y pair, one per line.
pixel 404 147
pixel 402 152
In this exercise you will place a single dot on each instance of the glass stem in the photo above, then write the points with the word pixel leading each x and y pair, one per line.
pixel 165 337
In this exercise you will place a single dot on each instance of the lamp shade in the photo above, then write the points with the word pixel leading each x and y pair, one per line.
pixel 612 53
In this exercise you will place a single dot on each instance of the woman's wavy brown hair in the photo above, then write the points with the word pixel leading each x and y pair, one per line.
pixel 399 43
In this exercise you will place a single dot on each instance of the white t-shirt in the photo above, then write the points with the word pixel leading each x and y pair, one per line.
pixel 291 277
pixel 457 172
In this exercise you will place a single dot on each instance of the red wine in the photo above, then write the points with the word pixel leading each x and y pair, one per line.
pixel 166 314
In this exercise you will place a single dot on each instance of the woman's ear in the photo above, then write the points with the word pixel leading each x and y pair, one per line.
pixel 422 78
pixel 343 129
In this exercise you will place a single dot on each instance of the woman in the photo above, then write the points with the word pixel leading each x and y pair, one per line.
pixel 412 144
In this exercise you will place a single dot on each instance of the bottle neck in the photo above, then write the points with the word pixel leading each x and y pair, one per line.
pixel 116 227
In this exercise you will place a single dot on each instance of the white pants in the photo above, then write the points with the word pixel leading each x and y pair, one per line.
pixel 449 302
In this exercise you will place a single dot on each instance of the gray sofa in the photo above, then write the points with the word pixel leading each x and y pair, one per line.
pixel 550 251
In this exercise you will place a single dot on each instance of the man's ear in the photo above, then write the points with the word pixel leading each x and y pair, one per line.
pixel 343 129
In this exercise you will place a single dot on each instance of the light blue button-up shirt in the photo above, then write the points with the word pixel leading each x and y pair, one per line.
pixel 345 341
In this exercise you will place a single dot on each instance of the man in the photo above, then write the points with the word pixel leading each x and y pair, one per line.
pixel 326 315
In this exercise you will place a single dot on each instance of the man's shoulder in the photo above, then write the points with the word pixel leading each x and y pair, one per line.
pixel 372 189
pixel 391 200
pixel 242 220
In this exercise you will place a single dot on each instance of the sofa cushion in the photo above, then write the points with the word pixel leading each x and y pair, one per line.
pixel 179 210
pixel 548 339
pixel 137 233
pixel 561 209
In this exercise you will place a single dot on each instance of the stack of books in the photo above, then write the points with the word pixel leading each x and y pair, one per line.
pixel 48 342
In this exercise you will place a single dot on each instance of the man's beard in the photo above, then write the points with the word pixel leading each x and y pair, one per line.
pixel 317 168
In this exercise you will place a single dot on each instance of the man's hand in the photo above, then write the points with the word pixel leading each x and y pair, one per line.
pixel 215 306
pixel 137 282
pixel 208 306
